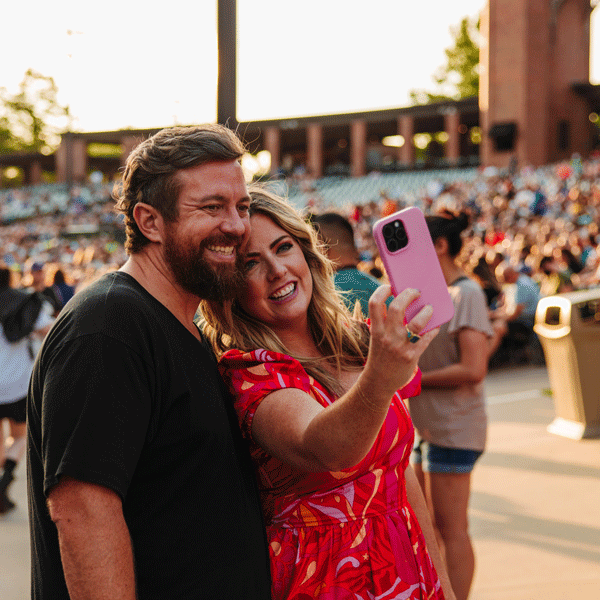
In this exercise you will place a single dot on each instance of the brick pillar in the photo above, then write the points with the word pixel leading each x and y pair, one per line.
pixel 273 146
pixel 485 147
pixel 60 158
pixel 314 149
pixel 534 51
pixel 358 148
pixel 71 159
pixel 570 63
pixel 406 128
pixel 80 161
pixel 128 143
pixel 33 173
pixel 452 146
pixel 505 78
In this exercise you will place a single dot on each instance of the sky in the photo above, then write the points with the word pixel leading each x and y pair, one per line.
pixel 127 63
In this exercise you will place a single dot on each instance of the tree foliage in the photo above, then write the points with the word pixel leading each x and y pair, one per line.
pixel 459 77
pixel 32 118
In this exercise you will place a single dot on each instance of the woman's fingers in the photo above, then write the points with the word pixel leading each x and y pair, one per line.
pixel 420 320
pixel 380 295
pixel 377 307
pixel 427 337
pixel 400 303
pixel 392 318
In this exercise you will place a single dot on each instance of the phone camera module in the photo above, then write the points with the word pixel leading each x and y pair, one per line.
pixel 388 231
pixel 394 235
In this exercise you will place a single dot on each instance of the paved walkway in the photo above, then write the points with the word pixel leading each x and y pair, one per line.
pixel 535 510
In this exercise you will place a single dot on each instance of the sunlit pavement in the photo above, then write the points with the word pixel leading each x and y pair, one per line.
pixel 14 542
pixel 535 509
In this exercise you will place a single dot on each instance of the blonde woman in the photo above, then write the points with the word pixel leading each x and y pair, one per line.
pixel 316 396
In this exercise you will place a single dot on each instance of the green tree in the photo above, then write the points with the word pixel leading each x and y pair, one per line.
pixel 32 119
pixel 459 77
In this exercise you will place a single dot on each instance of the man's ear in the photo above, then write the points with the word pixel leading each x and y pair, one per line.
pixel 149 221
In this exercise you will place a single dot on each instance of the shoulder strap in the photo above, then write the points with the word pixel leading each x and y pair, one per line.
pixel 20 321
pixel 10 301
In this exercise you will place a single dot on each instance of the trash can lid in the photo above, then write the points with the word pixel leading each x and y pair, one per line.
pixel 553 317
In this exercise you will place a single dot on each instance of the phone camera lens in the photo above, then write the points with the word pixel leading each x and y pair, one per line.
pixel 392 245
pixel 388 231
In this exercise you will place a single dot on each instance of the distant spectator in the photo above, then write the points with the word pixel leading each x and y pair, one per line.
pixel 62 288
pixel 484 275
pixel 16 364
pixel 552 279
pixel 521 296
pixel 570 261
pixel 494 259
pixel 38 275
pixel 337 234
pixel 450 415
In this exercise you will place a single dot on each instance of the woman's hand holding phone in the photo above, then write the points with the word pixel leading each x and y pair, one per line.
pixel 410 261
pixel 393 357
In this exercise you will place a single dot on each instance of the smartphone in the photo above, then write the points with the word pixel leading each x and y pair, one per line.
pixel 410 261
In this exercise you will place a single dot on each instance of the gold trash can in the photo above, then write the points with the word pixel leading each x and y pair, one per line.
pixel 568 327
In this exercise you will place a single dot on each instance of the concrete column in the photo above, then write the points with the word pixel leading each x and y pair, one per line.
pixel 273 145
pixel 452 146
pixel 406 128
pixel 358 147
pixel 314 149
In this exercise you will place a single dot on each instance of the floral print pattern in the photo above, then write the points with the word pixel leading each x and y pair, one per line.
pixel 336 535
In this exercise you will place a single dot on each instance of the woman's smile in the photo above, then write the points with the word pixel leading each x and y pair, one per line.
pixel 278 282
pixel 285 293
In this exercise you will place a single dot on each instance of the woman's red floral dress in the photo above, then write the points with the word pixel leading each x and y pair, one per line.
pixel 335 536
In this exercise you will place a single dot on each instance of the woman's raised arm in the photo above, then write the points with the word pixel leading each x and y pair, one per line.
pixel 292 426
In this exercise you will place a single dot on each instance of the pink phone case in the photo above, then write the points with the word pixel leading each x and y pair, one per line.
pixel 415 266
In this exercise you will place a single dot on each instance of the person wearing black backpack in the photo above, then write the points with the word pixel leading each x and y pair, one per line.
pixel 22 315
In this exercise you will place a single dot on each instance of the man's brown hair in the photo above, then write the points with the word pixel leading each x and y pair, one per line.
pixel 151 169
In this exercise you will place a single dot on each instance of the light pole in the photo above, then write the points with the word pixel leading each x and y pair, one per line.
pixel 227 73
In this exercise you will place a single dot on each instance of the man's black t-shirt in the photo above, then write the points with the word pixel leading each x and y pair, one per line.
pixel 124 396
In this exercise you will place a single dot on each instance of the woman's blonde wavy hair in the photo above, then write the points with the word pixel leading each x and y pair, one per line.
pixel 342 340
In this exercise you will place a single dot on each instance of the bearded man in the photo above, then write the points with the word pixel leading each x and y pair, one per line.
pixel 140 484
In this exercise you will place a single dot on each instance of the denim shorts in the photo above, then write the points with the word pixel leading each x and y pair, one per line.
pixel 437 459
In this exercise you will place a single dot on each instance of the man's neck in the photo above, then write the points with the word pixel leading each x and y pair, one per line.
pixel 156 278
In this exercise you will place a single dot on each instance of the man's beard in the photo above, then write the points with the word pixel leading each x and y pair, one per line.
pixel 196 275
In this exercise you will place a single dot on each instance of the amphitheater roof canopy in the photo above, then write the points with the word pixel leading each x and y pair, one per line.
pixel 468 106
pixel 436 109
pixel 427 117
pixel 24 159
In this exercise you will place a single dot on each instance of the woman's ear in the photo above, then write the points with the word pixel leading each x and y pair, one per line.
pixel 149 221
pixel 441 246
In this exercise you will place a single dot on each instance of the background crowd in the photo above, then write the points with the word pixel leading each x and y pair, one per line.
pixel 543 223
